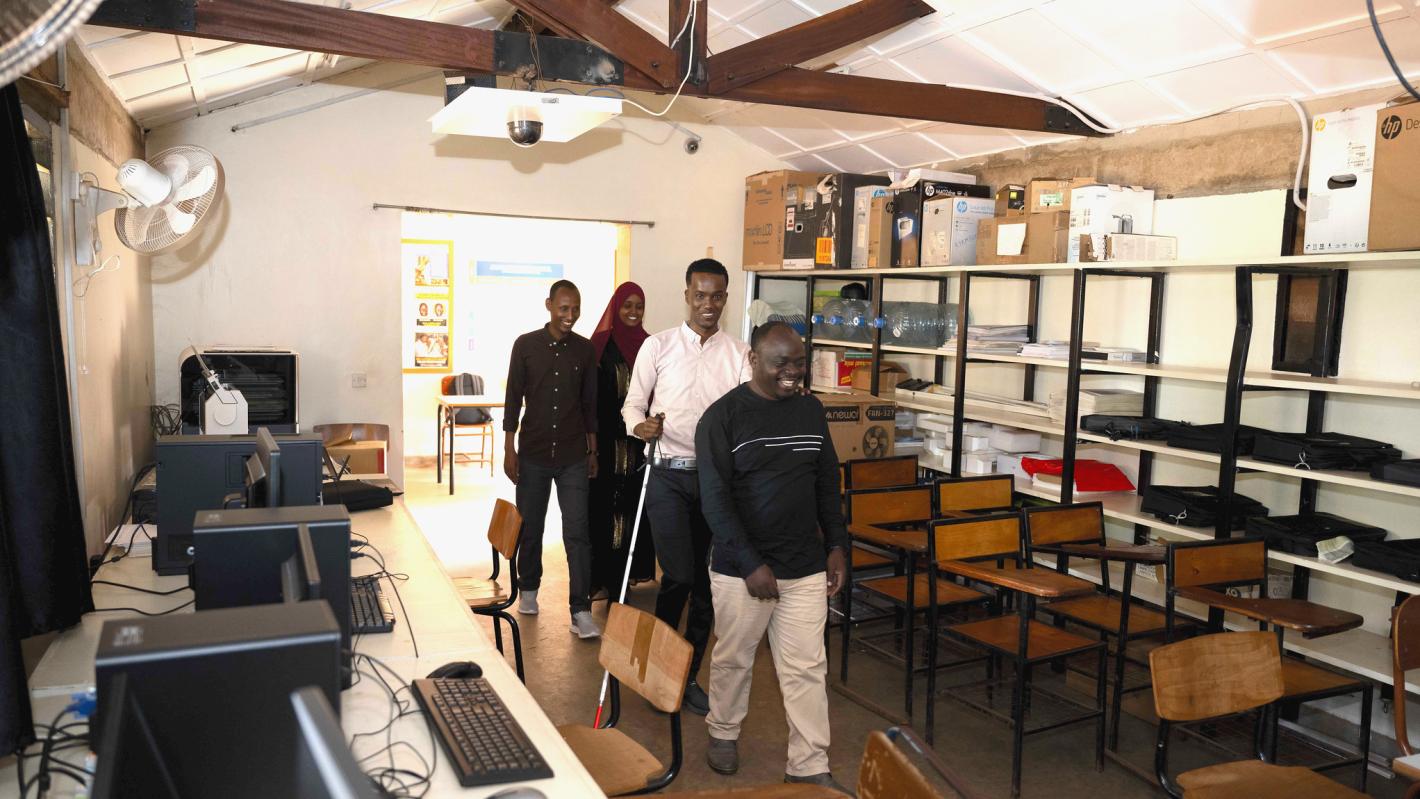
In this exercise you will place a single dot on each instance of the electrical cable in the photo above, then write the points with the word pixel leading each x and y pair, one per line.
pixel 127 509
pixel 144 612
pixel 689 67
pixel 142 590
pixel 1385 48
pixel 165 419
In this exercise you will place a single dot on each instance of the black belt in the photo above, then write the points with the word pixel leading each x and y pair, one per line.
pixel 675 463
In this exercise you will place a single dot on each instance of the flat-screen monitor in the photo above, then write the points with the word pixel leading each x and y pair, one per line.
pixel 300 575
pixel 264 481
pixel 325 768
pixel 131 764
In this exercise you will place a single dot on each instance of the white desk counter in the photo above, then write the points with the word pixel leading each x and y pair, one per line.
pixel 441 624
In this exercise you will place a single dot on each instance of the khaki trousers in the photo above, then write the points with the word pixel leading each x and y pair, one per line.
pixel 795 625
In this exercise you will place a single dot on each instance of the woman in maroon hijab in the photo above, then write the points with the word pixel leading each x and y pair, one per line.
pixel 617 486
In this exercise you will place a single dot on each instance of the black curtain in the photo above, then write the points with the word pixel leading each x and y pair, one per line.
pixel 44 583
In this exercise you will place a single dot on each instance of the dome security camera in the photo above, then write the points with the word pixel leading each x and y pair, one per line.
pixel 692 145
pixel 524 126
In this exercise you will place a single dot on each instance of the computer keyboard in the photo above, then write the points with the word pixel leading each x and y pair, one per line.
pixel 483 740
pixel 370 612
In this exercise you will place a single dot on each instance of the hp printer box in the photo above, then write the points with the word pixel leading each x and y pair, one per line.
pixel 1339 181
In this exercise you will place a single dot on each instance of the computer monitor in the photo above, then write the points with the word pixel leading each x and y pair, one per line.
pixel 325 768
pixel 300 575
pixel 130 763
pixel 264 480
pixel 237 557
pixel 196 473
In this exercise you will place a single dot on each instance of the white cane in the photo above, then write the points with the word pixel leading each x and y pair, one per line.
pixel 626 574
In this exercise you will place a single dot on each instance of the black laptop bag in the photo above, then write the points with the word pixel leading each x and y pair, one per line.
pixel 1197 506
pixel 1323 450
pixel 1131 428
pixel 1209 437
pixel 1406 472
pixel 1400 557
pixel 1299 534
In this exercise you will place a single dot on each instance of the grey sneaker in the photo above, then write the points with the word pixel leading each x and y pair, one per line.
pixel 825 779
pixel 527 603
pixel 583 626
pixel 723 756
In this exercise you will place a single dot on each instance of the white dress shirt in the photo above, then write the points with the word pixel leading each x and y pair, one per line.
pixel 679 376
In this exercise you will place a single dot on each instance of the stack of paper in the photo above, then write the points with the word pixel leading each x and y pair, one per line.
pixel 998 333
pixel 1112 401
pixel 1047 349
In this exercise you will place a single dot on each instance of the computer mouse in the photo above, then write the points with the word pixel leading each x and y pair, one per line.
pixel 518 792
pixel 458 670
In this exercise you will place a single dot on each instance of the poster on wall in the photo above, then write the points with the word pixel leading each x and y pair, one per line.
pixel 428 305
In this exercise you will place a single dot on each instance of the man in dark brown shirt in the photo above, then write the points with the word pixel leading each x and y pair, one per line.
pixel 552 373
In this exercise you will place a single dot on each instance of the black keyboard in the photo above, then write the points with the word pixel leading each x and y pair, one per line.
pixel 370 612
pixel 483 740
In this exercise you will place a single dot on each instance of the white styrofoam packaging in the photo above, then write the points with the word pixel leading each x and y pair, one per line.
pixel 977 428
pixel 1100 209
pixel 1010 462
pixel 1339 187
pixel 975 443
pixel 1013 439
pixel 935 422
pixel 983 462
pixel 949 229
pixel 862 213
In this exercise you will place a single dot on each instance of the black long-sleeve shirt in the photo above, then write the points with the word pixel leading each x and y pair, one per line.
pixel 557 381
pixel 769 484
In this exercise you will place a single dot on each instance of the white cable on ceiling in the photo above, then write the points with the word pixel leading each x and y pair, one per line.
pixel 689 66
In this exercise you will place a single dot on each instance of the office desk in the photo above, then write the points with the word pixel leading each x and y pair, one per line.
pixel 448 405
pixel 443 628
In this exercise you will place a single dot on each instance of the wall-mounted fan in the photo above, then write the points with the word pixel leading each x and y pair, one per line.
pixel 30 30
pixel 164 200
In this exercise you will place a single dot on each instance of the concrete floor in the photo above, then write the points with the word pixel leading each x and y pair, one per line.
pixel 563 674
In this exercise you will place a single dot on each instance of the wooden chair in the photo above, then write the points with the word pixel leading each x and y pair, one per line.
pixel 964 547
pixel 1221 675
pixel 487 596
pixel 1201 571
pixel 482 432
pixel 899 470
pixel 894 520
pixel 653 660
pixel 1067 531
pixel 987 493
pixel 1405 638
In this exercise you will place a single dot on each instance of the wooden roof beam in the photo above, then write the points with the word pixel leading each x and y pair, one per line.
pixel 613 31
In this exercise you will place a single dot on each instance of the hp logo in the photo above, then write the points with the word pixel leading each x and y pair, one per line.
pixel 1390 128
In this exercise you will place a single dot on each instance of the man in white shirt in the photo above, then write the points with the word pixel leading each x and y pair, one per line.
pixel 678 373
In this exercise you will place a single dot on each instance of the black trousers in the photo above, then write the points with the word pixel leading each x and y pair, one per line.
pixel 683 549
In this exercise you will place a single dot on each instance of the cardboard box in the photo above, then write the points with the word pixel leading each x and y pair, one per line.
pixel 1011 200
pixel 1339 181
pixel 1131 247
pixel 949 227
pixel 860 427
pixel 907 217
pixel 1395 190
pixel 764 217
pixel 880 217
pixel 1044 195
pixel 1099 209
pixel 1035 239
pixel 889 374
pixel 833 367
pixel 821 233
pixel 366 457
pixel 866 215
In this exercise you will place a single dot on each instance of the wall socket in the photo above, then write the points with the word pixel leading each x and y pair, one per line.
pixel 358 380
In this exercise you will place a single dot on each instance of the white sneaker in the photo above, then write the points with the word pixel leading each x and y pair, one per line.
pixel 583 625
pixel 527 603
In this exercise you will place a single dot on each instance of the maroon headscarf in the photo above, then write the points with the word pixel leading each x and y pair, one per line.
pixel 628 339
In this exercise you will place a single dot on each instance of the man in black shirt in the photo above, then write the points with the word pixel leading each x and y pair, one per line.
pixel 553 372
pixel 768 484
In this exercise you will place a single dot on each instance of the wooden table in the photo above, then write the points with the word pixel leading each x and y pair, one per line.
pixel 448 406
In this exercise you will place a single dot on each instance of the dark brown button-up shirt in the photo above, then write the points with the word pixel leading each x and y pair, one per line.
pixel 557 382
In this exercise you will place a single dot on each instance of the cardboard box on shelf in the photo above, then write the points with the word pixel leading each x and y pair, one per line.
pixel 1099 209
pixel 366 457
pixel 819 224
pixel 764 216
pixel 860 427
pixel 907 218
pixel 1339 181
pixel 833 366
pixel 1044 195
pixel 1011 200
pixel 866 215
pixel 1048 237
pixel 1034 239
pixel 880 215
pixel 889 374
pixel 1130 247
pixel 1395 189
pixel 949 229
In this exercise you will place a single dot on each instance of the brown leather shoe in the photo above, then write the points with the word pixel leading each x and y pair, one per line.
pixel 825 779
pixel 723 756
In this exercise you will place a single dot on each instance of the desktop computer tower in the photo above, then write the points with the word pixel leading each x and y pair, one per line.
pixel 196 473
pixel 237 555
pixel 214 691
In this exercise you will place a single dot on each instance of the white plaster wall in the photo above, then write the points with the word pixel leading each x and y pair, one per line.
pixel 297 258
